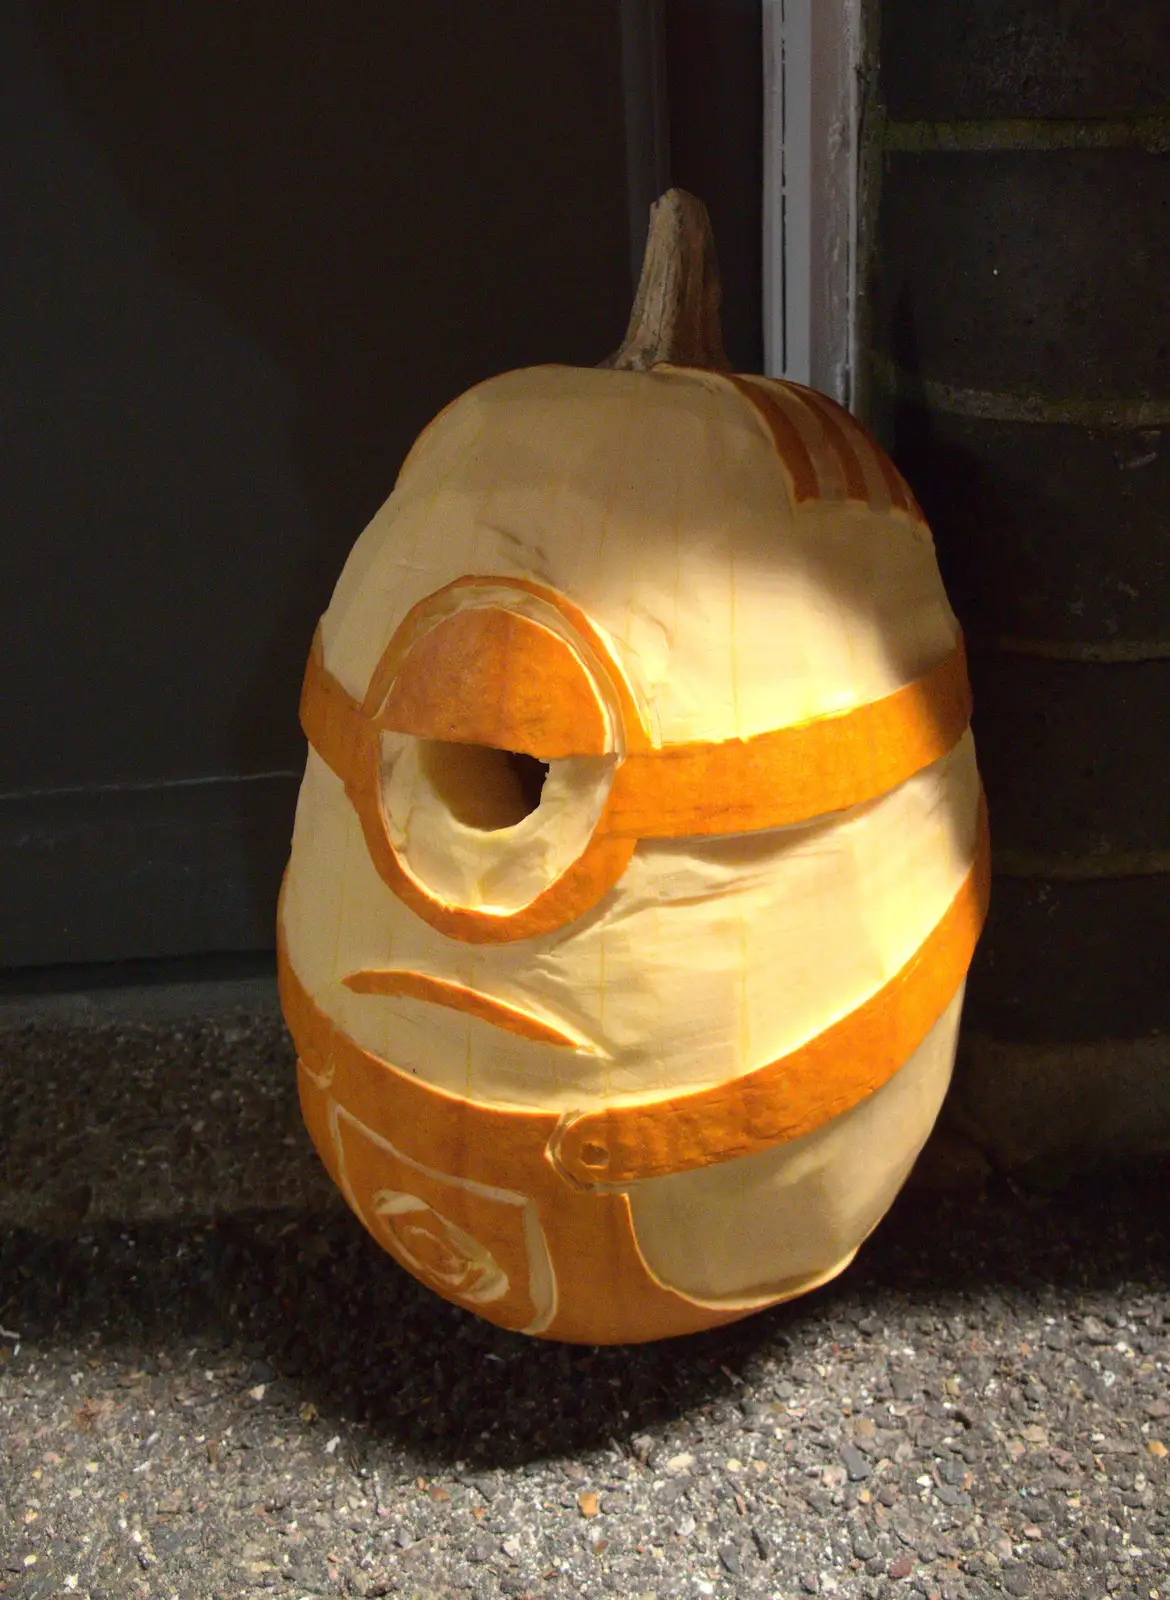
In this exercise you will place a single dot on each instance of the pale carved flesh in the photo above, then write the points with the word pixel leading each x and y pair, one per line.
pixel 640 854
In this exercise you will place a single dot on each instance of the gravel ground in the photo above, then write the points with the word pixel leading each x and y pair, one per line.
pixel 213 1385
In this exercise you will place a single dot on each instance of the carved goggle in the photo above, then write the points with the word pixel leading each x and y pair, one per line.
pixel 505 665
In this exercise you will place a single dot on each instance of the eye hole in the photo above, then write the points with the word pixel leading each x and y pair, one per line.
pixel 481 786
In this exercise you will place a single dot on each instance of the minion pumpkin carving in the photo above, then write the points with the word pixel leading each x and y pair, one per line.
pixel 641 852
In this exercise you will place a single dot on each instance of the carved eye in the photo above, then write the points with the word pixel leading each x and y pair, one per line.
pixel 498 749
pixel 481 786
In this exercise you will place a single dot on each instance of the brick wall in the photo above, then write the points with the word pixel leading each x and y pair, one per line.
pixel 1019 333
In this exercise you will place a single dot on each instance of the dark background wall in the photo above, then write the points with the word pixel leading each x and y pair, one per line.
pixel 1021 374
pixel 249 252
pixel 714 51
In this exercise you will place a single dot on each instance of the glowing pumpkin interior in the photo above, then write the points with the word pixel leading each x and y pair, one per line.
pixel 640 854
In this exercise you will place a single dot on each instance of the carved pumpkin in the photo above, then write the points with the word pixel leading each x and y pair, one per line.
pixel 641 853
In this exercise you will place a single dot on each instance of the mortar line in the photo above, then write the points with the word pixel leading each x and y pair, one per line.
pixel 992 406
pixel 1081 869
pixel 992 134
pixel 1098 652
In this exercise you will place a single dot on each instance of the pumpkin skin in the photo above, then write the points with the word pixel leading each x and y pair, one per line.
pixel 655 1045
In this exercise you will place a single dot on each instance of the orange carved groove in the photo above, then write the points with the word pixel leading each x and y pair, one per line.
pixel 605 1293
pixel 489 676
pixel 901 499
pixel 794 456
pixel 844 441
pixel 802 1090
pixel 569 1171
pixel 442 992
pixel 773 779
pixel 769 780
pixel 428 612
pixel 838 437
pixel 796 773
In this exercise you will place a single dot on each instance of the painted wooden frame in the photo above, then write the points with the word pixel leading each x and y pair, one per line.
pixel 812 51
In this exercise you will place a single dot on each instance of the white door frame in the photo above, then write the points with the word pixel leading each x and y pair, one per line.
pixel 812 53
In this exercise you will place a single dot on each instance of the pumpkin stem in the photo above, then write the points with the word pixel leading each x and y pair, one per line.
pixel 676 309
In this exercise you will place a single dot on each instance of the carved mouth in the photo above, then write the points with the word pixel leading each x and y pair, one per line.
pixel 456 996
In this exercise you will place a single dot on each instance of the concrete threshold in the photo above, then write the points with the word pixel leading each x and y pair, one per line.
pixel 147 993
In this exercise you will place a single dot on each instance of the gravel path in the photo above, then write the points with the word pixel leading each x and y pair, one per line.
pixel 213 1385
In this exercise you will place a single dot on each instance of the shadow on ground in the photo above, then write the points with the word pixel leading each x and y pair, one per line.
pixel 158 1197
